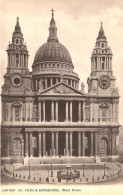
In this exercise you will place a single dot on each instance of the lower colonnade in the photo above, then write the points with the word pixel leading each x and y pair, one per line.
pixel 60 143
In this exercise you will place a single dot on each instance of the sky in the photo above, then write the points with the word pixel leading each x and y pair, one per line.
pixel 78 24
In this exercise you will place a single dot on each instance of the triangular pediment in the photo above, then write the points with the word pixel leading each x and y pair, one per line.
pixel 61 89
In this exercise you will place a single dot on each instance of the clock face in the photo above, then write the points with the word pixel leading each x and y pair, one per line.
pixel 16 80
pixel 104 82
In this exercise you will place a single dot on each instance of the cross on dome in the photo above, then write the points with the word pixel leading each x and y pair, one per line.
pixel 52 10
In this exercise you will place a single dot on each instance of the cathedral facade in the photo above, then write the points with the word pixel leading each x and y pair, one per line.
pixel 45 114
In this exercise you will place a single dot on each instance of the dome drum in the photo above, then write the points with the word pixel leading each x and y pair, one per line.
pixel 52 66
pixel 49 80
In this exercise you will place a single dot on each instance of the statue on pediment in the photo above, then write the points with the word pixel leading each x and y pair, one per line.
pixel 40 85
pixel 82 87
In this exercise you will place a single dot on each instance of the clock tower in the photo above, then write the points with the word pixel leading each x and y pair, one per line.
pixel 101 80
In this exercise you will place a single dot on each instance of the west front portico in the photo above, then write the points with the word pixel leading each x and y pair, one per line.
pixel 61 141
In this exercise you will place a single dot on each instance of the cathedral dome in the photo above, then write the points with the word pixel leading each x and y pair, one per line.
pixel 52 51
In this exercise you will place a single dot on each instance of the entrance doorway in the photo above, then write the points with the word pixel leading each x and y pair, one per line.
pixel 17 148
pixel 48 111
pixel 87 144
pixel 35 143
pixel 103 146
pixel 48 142
pixel 75 143
pixel 61 111
pixel 61 143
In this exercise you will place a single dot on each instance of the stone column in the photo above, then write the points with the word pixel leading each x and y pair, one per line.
pixel 52 110
pixel 114 111
pixel 66 111
pixel 21 113
pixel 44 144
pixel 26 61
pixel 96 111
pixel 95 143
pixel 31 149
pixel 39 111
pixel 97 62
pixel 79 143
pixel 71 115
pixel 51 82
pixel 110 116
pixel 79 111
pixel 23 61
pixel 57 111
pixel 26 144
pixel 13 114
pixel 71 144
pixel 19 61
pixel 31 104
pixel 111 63
pixel 43 110
pixel 83 111
pixel 52 139
pixel 9 111
pixel 56 143
pixel 10 59
pixel 83 143
pixel 66 143
pixel 91 111
pixel 100 115
pixel 56 80
pixel 52 144
pixel 45 83
pixel 36 85
pixel 106 62
pixel 39 143
pixel 71 82
pixel 100 63
pixel 91 143
pixel 26 110
pixel 117 112
pixel 22 149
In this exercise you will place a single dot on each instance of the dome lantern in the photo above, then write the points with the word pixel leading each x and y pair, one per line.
pixel 52 29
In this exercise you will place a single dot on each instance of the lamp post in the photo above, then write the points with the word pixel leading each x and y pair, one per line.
pixel 93 174
pixel 104 169
pixel 48 174
pixel 83 170
pixel 51 170
pixel 29 172
pixel 118 168
pixel 13 170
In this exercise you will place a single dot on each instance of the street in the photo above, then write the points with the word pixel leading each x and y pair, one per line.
pixel 5 180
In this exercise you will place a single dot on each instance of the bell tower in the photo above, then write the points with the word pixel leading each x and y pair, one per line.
pixel 101 80
pixel 17 78
pixel 17 52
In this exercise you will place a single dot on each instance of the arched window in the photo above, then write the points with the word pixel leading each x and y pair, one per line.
pixel 102 45
pixel 16 41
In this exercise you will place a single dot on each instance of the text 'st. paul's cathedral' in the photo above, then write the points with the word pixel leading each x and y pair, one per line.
pixel 45 114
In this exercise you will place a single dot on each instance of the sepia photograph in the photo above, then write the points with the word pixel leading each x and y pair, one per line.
pixel 61 97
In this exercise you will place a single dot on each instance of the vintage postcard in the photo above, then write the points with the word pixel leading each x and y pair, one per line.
pixel 61 97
